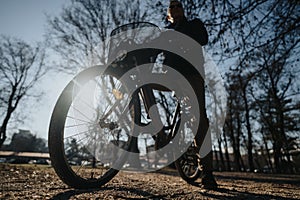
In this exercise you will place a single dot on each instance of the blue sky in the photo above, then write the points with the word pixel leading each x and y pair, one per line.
pixel 26 20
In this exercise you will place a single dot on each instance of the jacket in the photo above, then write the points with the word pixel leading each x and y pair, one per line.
pixel 194 28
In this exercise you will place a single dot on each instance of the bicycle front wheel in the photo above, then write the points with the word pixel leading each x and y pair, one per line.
pixel 90 128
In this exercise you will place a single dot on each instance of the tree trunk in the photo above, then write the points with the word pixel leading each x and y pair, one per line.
pixel 10 109
pixel 248 126
pixel 269 160
pixel 237 147
pixel 217 159
pixel 222 164
pixel 277 157
pixel 228 167
pixel 3 129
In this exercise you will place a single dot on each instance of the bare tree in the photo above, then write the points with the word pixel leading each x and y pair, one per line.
pixel 79 34
pixel 21 67
pixel 277 103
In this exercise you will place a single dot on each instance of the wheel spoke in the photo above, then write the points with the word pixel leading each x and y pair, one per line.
pixel 81 140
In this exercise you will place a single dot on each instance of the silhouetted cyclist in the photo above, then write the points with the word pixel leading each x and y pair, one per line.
pixel 196 30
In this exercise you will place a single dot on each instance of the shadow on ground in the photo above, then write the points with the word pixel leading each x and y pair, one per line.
pixel 72 193
pixel 226 190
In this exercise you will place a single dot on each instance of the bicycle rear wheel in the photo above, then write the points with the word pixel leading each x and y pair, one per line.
pixel 188 166
pixel 90 128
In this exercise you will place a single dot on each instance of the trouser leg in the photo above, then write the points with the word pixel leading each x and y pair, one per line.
pixel 200 137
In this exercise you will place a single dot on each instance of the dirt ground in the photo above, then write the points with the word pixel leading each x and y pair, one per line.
pixel 41 182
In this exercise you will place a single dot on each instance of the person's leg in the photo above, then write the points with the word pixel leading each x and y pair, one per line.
pixel 206 162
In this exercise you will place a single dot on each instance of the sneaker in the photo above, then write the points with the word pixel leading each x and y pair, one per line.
pixel 208 181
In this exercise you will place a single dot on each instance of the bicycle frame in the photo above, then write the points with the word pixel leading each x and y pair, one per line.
pixel 148 98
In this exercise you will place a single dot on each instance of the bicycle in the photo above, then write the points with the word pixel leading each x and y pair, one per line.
pixel 97 118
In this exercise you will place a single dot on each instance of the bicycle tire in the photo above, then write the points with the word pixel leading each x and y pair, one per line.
pixel 75 176
pixel 188 167
pixel 188 164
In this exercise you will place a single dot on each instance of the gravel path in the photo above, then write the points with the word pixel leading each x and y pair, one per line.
pixel 41 182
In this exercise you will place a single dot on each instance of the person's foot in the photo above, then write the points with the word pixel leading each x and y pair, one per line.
pixel 208 181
